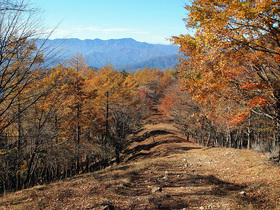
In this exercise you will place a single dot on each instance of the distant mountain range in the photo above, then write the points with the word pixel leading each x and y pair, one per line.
pixel 122 53
pixel 167 62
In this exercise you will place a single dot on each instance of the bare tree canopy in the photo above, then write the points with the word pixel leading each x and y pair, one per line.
pixel 20 58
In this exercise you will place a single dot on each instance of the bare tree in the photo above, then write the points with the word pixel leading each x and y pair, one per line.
pixel 21 61
pixel 20 57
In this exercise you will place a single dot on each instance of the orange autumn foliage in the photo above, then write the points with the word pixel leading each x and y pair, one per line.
pixel 233 55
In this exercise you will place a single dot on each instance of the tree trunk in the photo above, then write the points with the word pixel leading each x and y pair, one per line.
pixel 107 118
pixel 277 117
pixel 106 136
pixel 278 138
pixel 27 180
pixel 222 139
pixel 117 152
pixel 236 139
pixel 208 139
pixel 202 139
pixel 56 129
pixel 56 141
pixel 241 140
pixel 78 139
pixel 248 139
pixel 228 140
pixel 231 138
pixel 249 134
pixel 215 140
pixel 188 136
pixel 195 138
pixel 87 164
pixel 57 170
pixel 18 178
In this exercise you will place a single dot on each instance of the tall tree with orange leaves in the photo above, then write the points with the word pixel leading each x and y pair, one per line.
pixel 75 100
pixel 113 91
pixel 234 54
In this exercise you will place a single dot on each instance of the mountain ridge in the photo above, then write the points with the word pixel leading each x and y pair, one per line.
pixel 118 52
pixel 167 62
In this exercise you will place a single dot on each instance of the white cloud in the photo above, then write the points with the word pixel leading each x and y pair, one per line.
pixel 109 30
pixel 117 29
pixel 92 32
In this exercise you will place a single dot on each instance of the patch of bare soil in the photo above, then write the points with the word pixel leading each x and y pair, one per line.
pixel 161 170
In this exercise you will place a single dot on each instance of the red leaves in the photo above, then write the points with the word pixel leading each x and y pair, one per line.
pixel 254 86
pixel 167 104
pixel 144 94
pixel 259 101
pixel 239 118
pixel 277 58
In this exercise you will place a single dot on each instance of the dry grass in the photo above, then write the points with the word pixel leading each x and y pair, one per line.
pixel 187 175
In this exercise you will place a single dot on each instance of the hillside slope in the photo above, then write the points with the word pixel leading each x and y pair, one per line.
pixel 160 170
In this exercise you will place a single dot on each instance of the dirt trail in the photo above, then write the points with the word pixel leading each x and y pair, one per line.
pixel 161 170
pixel 178 182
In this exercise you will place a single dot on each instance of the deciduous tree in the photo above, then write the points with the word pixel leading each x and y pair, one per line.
pixel 233 54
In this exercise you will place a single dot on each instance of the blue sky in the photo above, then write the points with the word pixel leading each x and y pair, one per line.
pixel 151 21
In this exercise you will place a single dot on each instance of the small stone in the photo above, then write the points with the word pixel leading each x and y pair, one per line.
pixel 242 193
pixel 156 189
